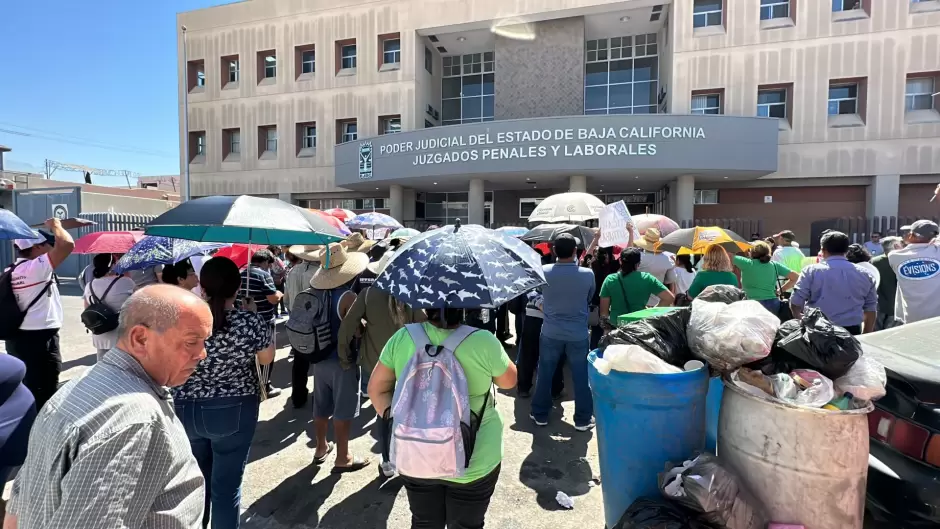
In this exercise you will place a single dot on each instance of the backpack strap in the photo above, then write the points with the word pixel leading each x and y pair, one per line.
pixel 458 336
pixel 95 297
pixel 419 336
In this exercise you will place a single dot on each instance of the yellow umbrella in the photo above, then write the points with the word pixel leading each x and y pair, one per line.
pixel 696 240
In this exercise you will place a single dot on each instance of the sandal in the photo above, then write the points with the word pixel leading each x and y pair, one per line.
pixel 357 464
pixel 322 459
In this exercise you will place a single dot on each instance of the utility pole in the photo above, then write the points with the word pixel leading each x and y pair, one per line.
pixel 186 186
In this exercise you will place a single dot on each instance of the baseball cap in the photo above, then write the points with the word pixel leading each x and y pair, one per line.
pixel 906 227
pixel 565 240
pixel 925 228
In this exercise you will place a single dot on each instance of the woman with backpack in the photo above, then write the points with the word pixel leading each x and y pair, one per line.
pixel 457 498
pixel 629 289
pixel 759 276
pixel 218 404
pixel 110 289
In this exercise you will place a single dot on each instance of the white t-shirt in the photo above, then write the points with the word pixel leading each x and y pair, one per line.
pixel 662 267
pixel 122 289
pixel 872 271
pixel 918 269
pixel 29 279
pixel 683 280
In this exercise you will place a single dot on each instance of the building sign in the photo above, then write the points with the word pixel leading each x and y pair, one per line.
pixel 365 160
pixel 540 143
pixel 60 211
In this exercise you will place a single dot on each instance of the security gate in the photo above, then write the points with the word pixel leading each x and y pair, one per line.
pixel 34 206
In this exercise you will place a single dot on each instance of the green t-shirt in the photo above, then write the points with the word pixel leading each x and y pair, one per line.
pixel 758 279
pixel 639 286
pixel 707 278
pixel 482 358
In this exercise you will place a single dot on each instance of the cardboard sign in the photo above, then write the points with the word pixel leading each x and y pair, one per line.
pixel 613 221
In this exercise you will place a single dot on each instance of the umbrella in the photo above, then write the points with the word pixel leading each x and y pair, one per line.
pixel 664 224
pixel 373 220
pixel 696 240
pixel 567 207
pixel 243 219
pixel 341 214
pixel 333 221
pixel 461 267
pixel 107 242
pixel 13 227
pixel 153 251
pixel 512 231
pixel 548 232
pixel 239 254
pixel 404 233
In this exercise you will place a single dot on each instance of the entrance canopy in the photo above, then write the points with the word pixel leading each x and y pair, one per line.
pixel 655 148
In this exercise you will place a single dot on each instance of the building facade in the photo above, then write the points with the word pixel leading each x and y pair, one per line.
pixel 786 111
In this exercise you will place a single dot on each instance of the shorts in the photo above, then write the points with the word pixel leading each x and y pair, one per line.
pixel 335 391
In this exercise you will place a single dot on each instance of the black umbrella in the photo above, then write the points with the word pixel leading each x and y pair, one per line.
pixel 548 232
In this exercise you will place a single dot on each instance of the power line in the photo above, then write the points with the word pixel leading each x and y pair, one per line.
pixel 75 140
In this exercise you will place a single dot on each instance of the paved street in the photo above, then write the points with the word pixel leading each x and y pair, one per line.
pixel 282 489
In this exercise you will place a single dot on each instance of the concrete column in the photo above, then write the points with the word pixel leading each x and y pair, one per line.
pixel 396 202
pixel 409 197
pixel 285 197
pixel 475 202
pixel 883 194
pixel 577 183
pixel 685 199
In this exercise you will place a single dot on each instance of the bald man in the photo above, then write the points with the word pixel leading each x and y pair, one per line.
pixel 107 450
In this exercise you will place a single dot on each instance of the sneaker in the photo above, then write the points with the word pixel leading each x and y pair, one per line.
pixel 586 428
pixel 538 422
pixel 387 469
pixel 273 392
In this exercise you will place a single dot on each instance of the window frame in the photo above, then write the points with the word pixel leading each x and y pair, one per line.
pixel 393 56
pixel 387 125
pixel 783 104
pixel 467 66
pixel 272 65
pixel 308 140
pixel 348 62
pixel 613 51
pixel 840 100
pixel 200 144
pixel 234 70
pixel 268 131
pixel 304 62
pixel 843 9
pixel 910 98
pixel 771 7
pixel 704 110
pixel 428 60
pixel 707 16
pixel 235 142
pixel 699 197
pixel 345 135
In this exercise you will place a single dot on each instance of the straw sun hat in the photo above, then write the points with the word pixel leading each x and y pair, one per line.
pixel 310 253
pixel 338 266
pixel 358 243
pixel 649 240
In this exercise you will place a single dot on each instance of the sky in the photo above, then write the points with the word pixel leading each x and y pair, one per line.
pixel 91 83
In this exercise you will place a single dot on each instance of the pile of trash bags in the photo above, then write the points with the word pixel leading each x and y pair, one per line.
pixel 700 493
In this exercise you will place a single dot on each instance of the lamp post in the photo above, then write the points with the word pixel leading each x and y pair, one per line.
pixel 186 187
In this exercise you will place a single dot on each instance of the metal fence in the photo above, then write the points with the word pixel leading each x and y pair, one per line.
pixel 110 222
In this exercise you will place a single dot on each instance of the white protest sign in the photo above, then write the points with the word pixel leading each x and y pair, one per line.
pixel 613 221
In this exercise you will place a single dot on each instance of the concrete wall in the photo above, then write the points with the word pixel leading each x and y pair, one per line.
pixel 100 203
pixel 542 77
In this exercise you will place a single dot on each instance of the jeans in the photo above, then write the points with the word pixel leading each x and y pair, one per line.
pixel 220 430
pixel 39 350
pixel 436 503
pixel 551 352
pixel 527 359
pixel 772 305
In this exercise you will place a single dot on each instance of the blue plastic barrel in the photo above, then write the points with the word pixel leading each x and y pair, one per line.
pixel 716 389
pixel 643 422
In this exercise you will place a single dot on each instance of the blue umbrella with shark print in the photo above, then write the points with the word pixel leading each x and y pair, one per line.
pixel 461 267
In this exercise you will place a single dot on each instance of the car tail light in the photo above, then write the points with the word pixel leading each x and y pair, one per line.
pixel 904 436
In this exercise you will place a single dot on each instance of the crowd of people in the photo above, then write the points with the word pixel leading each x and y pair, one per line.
pixel 157 433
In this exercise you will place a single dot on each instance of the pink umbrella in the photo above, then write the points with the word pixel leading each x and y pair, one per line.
pixel 665 225
pixel 342 214
pixel 107 242
pixel 333 220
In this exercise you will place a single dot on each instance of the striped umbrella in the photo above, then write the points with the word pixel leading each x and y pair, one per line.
pixel 342 214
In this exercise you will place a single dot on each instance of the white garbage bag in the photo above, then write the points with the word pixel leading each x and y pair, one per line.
pixel 865 380
pixel 632 359
pixel 729 336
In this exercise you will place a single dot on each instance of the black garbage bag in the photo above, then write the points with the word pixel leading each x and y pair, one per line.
pixel 722 293
pixel 813 342
pixel 662 335
pixel 711 489
pixel 657 513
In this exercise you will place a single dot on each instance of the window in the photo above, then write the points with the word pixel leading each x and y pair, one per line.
pixel 428 124
pixel 308 61
pixel 770 9
pixel 309 140
pixel 428 61
pixel 772 103
pixel 201 144
pixel 347 131
pixel 468 88
pixel 706 104
pixel 622 75
pixel 706 196
pixel 919 94
pixel 196 76
pixel 843 99
pixel 846 5
pixel 197 146
pixel 527 206
pixel 234 141
pixel 200 78
pixel 267 65
pixel 390 124
pixel 391 51
pixel 231 68
pixel 348 54
pixel 267 137
pixel 707 13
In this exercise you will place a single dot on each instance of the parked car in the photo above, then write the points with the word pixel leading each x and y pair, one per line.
pixel 904 428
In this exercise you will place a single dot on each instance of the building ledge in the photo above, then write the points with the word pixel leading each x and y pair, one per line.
pixel 925 7
pixel 268 81
pixel 308 152
pixel 840 121
pixel 708 31
pixel 231 85
pixel 232 157
pixel 851 14
pixel 268 155
pixel 346 72
pixel 777 23
pixel 197 90
pixel 199 159
pixel 390 67
pixel 916 117
pixel 306 76
pixel 783 125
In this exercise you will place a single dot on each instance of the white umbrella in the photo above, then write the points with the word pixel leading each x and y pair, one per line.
pixel 568 207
